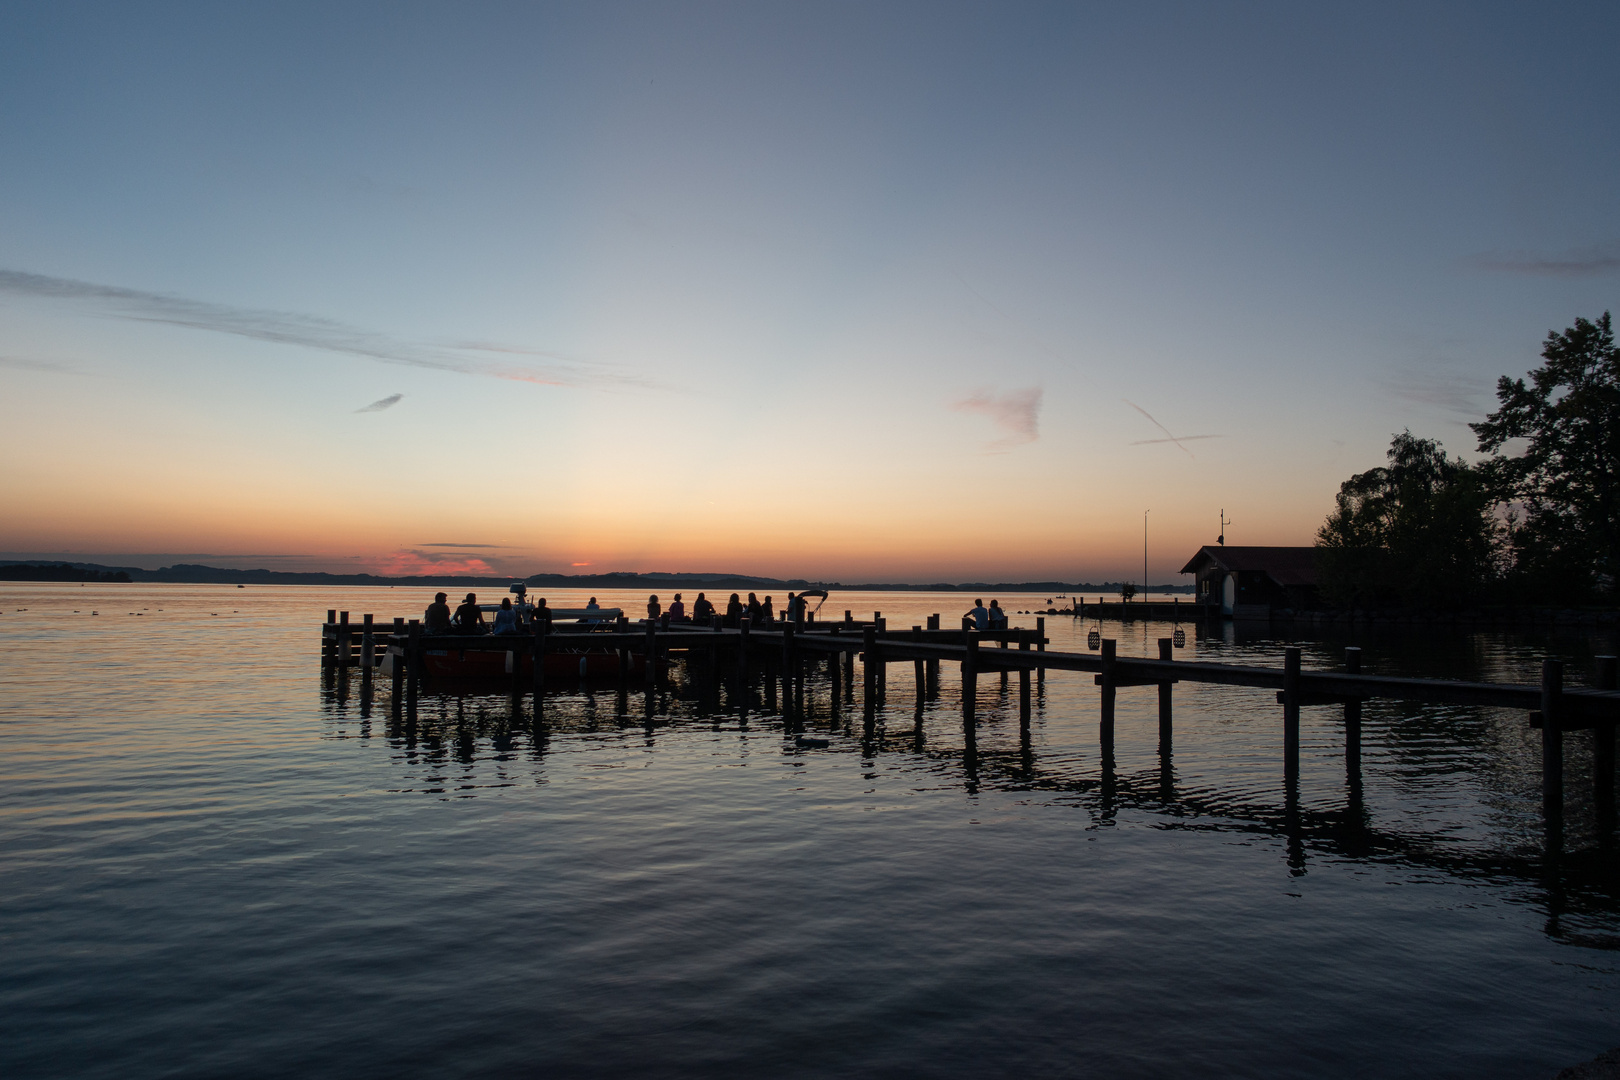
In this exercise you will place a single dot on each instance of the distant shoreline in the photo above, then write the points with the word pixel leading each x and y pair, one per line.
pixel 41 570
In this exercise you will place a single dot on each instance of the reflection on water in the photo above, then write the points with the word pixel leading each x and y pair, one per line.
pixel 220 858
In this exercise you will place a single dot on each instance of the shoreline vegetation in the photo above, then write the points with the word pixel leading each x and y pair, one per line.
pixel 193 574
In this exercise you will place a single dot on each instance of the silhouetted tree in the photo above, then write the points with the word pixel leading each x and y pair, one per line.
pixel 1420 531
pixel 1567 481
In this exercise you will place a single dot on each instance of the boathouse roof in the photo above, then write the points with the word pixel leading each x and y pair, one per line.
pixel 1284 565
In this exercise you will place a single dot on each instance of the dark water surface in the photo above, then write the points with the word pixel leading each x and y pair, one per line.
pixel 214 863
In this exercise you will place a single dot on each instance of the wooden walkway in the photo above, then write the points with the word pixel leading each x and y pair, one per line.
pixel 784 653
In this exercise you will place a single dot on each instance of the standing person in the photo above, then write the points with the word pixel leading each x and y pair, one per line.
pixel 654 608
pixel 677 610
pixel 765 612
pixel 436 619
pixel 541 615
pixel 980 617
pixel 734 612
pixel 506 618
pixel 702 610
pixel 469 620
pixel 753 608
pixel 795 610
pixel 998 616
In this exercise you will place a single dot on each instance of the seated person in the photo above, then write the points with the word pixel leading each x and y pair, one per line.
pixel 766 614
pixel 590 605
pixel 654 608
pixel 998 616
pixel 469 620
pixel 677 610
pixel 541 615
pixel 753 608
pixel 436 620
pixel 734 612
pixel 506 619
pixel 701 609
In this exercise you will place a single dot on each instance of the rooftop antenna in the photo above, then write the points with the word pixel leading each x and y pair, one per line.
pixel 1221 539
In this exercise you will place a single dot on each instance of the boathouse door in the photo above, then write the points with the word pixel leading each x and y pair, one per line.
pixel 1228 594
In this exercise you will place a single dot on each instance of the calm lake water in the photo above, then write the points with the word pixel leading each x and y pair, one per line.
pixel 214 861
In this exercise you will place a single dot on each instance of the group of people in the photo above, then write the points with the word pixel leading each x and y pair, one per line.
pixel 756 611
pixel 469 617
pixel 987 618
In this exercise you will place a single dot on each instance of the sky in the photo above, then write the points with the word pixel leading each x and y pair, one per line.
pixel 857 291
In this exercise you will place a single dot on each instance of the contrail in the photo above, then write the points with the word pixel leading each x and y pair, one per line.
pixel 1170 437
pixel 386 403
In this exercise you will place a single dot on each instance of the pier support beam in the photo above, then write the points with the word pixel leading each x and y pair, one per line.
pixel 970 690
pixel 920 667
pixel 1552 752
pixel 1023 690
pixel 869 666
pixel 1603 755
pixel 1106 680
pixel 1291 660
pixel 1352 720
pixel 1166 725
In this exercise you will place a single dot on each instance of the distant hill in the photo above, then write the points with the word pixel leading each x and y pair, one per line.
pixel 195 574
pixel 59 572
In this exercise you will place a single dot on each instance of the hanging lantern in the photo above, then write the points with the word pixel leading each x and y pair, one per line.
pixel 1094 640
pixel 1180 638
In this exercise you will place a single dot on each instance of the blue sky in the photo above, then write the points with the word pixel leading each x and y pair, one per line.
pixel 834 290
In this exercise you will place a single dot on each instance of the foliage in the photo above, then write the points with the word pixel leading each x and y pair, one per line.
pixel 1419 531
pixel 1567 481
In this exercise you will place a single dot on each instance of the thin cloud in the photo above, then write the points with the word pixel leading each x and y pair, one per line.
pixel 308 331
pixel 1170 436
pixel 1460 395
pixel 464 545
pixel 383 403
pixel 1178 440
pixel 1595 261
pixel 1016 412
pixel 37 365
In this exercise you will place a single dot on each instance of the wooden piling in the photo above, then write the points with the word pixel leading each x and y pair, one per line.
pixel 933 665
pixel 345 642
pixel 368 644
pixel 538 675
pixel 835 666
pixel 742 661
pixel 1040 645
pixel 650 669
pixel 1290 693
pixel 1352 716
pixel 1023 688
pixel 413 665
pixel 1166 731
pixel 869 663
pixel 329 638
pixel 970 686
pixel 1603 754
pixel 919 666
pixel 1106 681
pixel 1552 750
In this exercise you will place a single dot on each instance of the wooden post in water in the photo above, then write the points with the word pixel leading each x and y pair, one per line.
pixel 368 644
pixel 538 676
pixel 932 667
pixel 345 642
pixel 1105 680
pixel 869 662
pixel 397 689
pixel 1040 645
pixel 790 689
pixel 1603 754
pixel 1352 717
pixel 970 690
pixel 329 638
pixel 835 666
pixel 1291 657
pixel 650 668
pixel 413 665
pixel 1023 687
pixel 849 677
pixel 1552 750
pixel 918 667
pixel 742 661
pixel 1166 727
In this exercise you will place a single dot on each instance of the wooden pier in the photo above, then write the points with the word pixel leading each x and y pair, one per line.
pixel 783 653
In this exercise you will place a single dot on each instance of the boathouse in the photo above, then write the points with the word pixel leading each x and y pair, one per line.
pixel 1248 582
